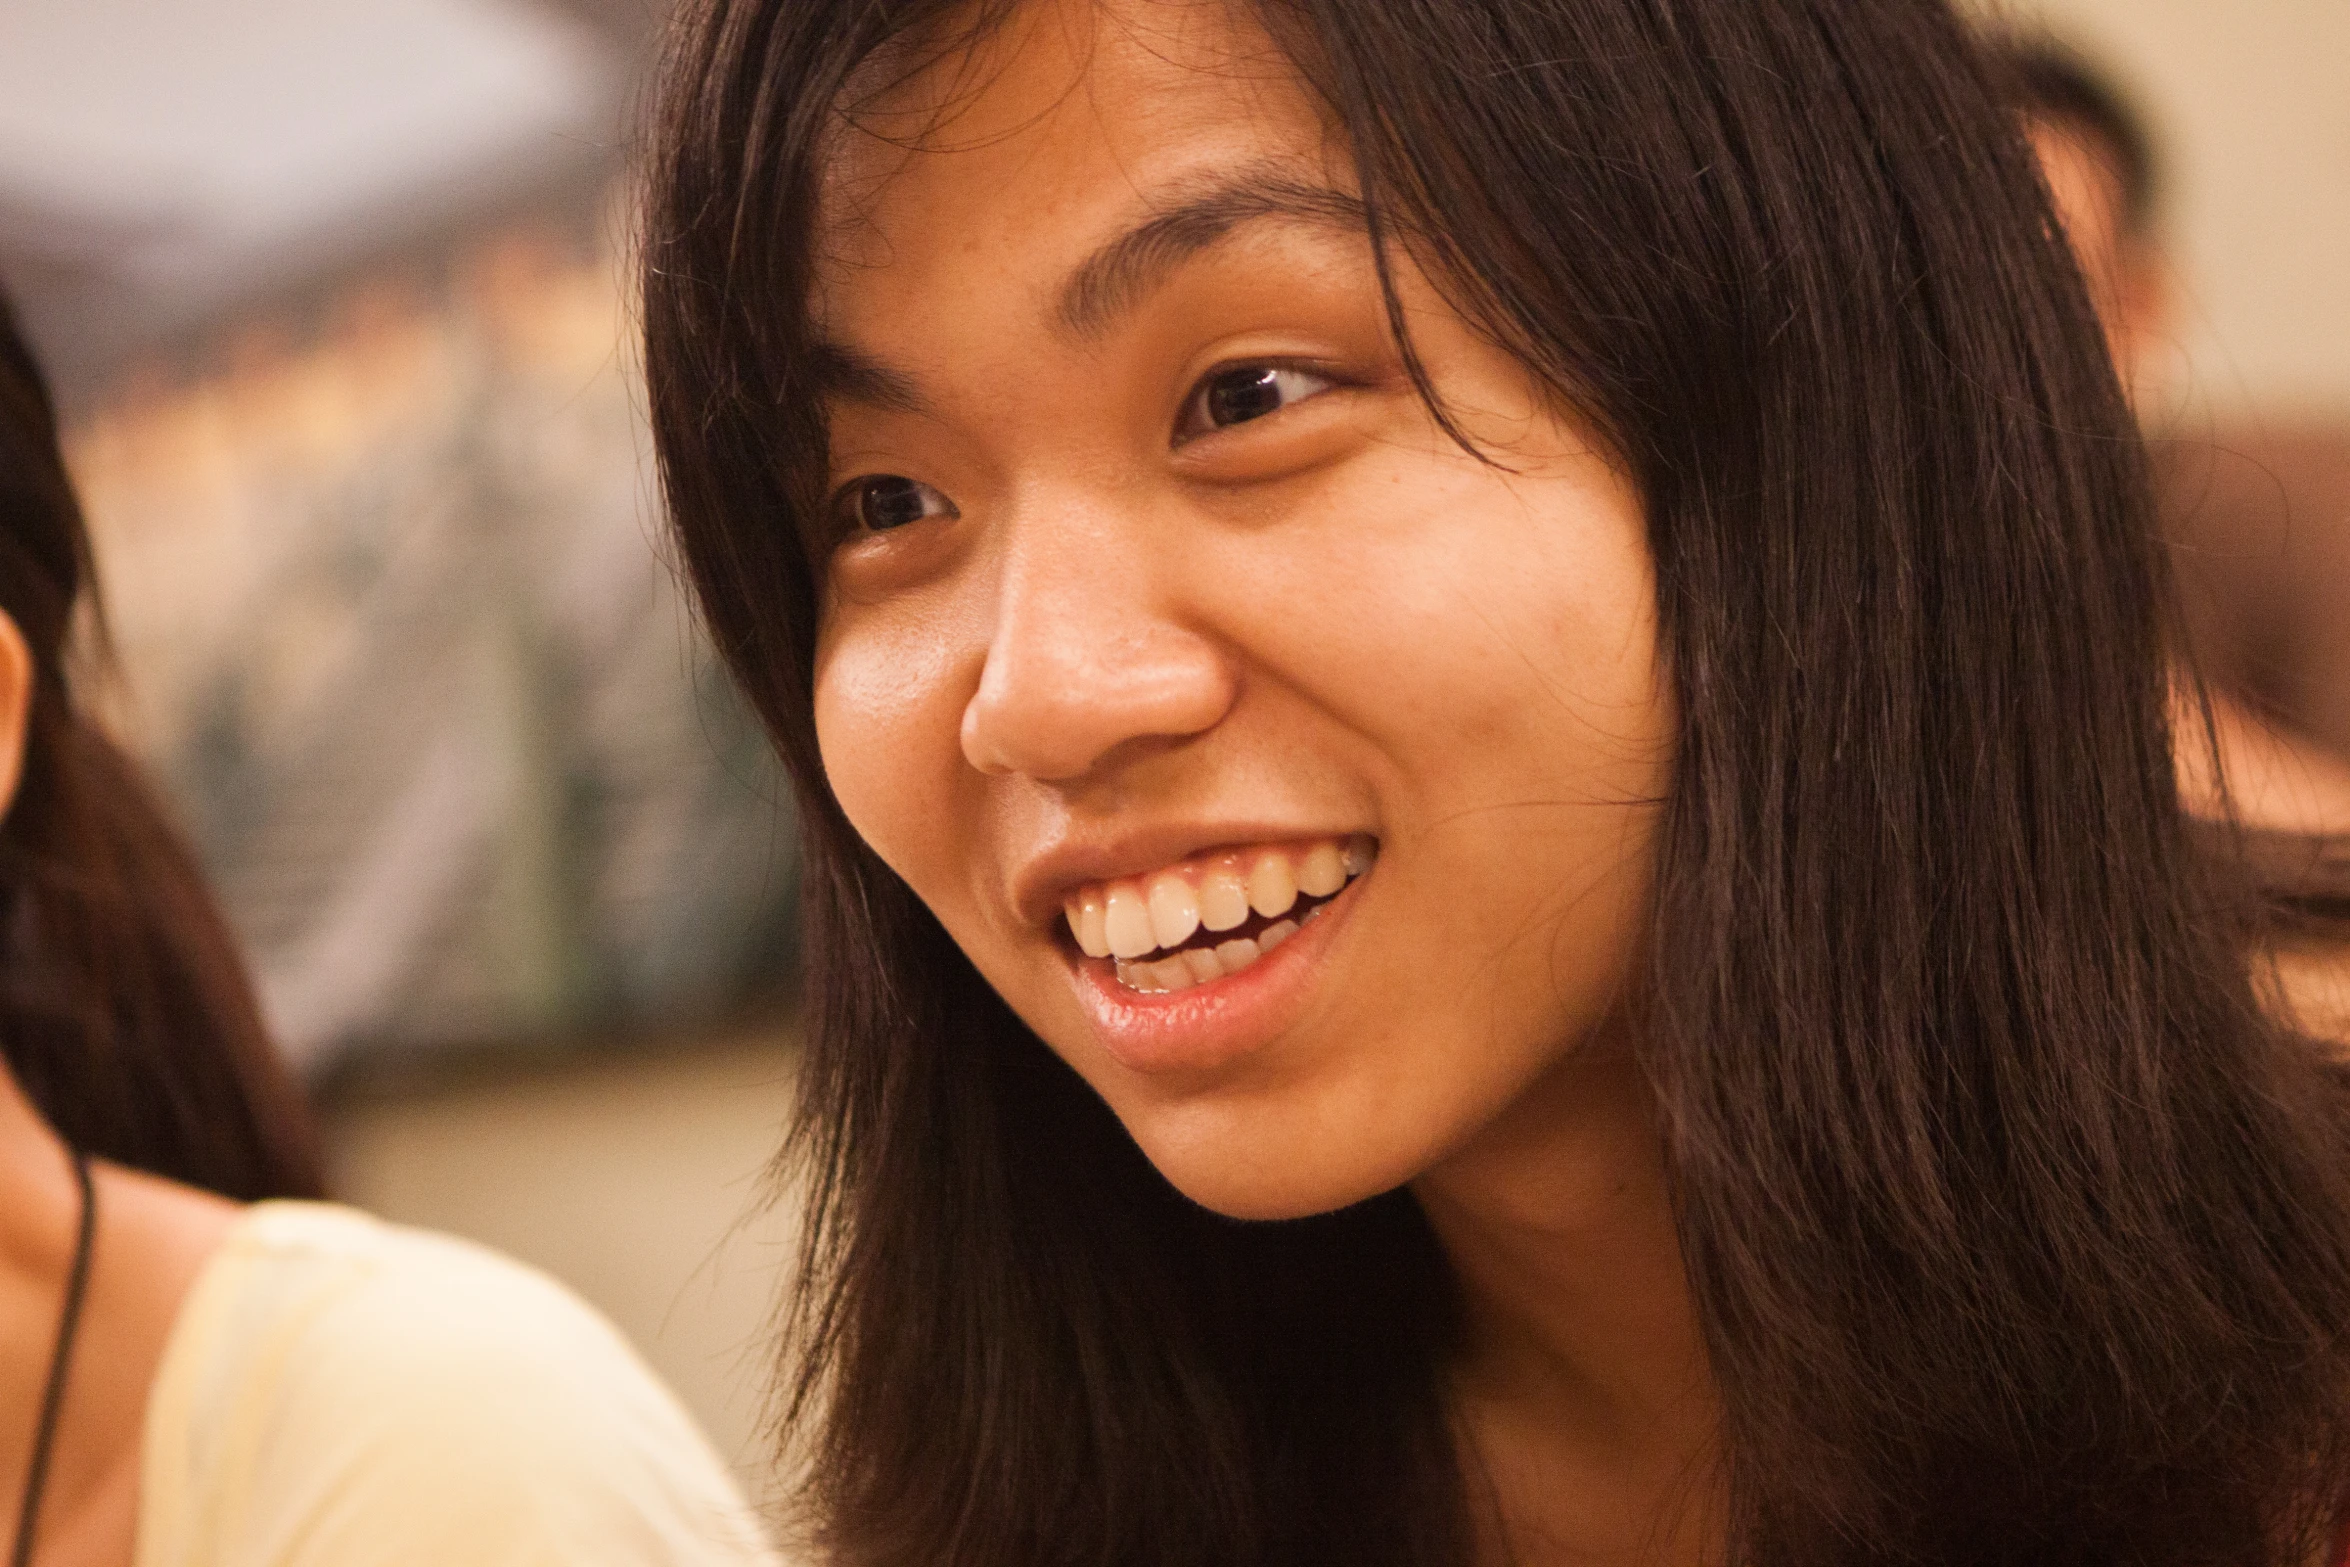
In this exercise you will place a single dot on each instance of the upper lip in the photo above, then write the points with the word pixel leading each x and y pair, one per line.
pixel 1043 883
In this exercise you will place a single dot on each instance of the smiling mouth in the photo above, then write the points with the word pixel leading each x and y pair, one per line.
pixel 1215 914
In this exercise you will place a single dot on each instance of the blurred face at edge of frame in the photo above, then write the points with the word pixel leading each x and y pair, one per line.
pixel 1292 771
pixel 2123 267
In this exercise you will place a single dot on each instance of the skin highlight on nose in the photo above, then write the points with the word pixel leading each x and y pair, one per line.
pixel 1057 701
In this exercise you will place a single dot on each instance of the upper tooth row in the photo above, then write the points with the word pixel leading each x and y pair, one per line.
pixel 1135 915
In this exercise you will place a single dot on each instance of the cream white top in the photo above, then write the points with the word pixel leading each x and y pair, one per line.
pixel 341 1392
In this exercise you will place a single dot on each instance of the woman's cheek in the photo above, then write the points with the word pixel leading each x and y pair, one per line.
pixel 887 725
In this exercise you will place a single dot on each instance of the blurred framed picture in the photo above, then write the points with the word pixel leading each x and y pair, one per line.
pixel 396 629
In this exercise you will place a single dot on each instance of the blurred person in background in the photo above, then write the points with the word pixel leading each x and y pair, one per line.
pixel 2098 158
pixel 193 1368
pixel 2259 514
pixel 2290 796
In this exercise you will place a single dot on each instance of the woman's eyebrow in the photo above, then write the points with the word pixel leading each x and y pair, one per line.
pixel 838 371
pixel 1115 278
pixel 1123 271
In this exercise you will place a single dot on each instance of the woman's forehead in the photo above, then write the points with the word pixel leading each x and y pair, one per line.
pixel 1059 110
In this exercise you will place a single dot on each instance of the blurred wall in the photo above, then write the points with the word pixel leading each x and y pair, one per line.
pixel 2251 102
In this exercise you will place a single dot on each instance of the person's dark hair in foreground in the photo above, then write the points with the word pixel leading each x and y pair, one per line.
pixel 2011 1231
pixel 125 1012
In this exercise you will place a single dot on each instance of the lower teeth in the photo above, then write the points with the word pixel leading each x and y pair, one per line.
pixel 1198 965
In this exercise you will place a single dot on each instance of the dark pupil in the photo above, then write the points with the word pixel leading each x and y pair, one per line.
pixel 889 503
pixel 1240 395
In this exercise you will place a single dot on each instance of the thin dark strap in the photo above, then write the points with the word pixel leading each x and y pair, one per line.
pixel 77 1283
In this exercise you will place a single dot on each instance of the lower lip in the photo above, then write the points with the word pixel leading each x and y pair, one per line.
pixel 1207 1027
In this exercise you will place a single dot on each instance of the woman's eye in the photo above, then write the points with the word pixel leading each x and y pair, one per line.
pixel 887 501
pixel 1244 392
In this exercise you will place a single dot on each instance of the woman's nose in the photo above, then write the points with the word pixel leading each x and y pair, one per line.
pixel 1087 656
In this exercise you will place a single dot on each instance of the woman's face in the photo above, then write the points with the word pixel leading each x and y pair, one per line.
pixel 1290 770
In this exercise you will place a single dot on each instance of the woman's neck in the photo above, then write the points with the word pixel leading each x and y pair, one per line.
pixel 39 1217
pixel 1582 1386
pixel 153 1238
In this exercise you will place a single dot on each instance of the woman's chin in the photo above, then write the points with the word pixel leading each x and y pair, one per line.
pixel 1269 1167
pixel 1273 1200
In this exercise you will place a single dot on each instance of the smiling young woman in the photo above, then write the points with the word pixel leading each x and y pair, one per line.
pixel 1493 868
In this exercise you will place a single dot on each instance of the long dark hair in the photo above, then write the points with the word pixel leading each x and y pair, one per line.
pixel 2015 1234
pixel 125 1013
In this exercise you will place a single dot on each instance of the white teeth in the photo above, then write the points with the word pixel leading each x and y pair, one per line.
pixel 1156 978
pixel 1223 898
pixel 1174 911
pixel 1237 954
pixel 1322 871
pixel 1085 923
pixel 1126 922
pixel 1129 918
pixel 1192 966
pixel 1271 888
